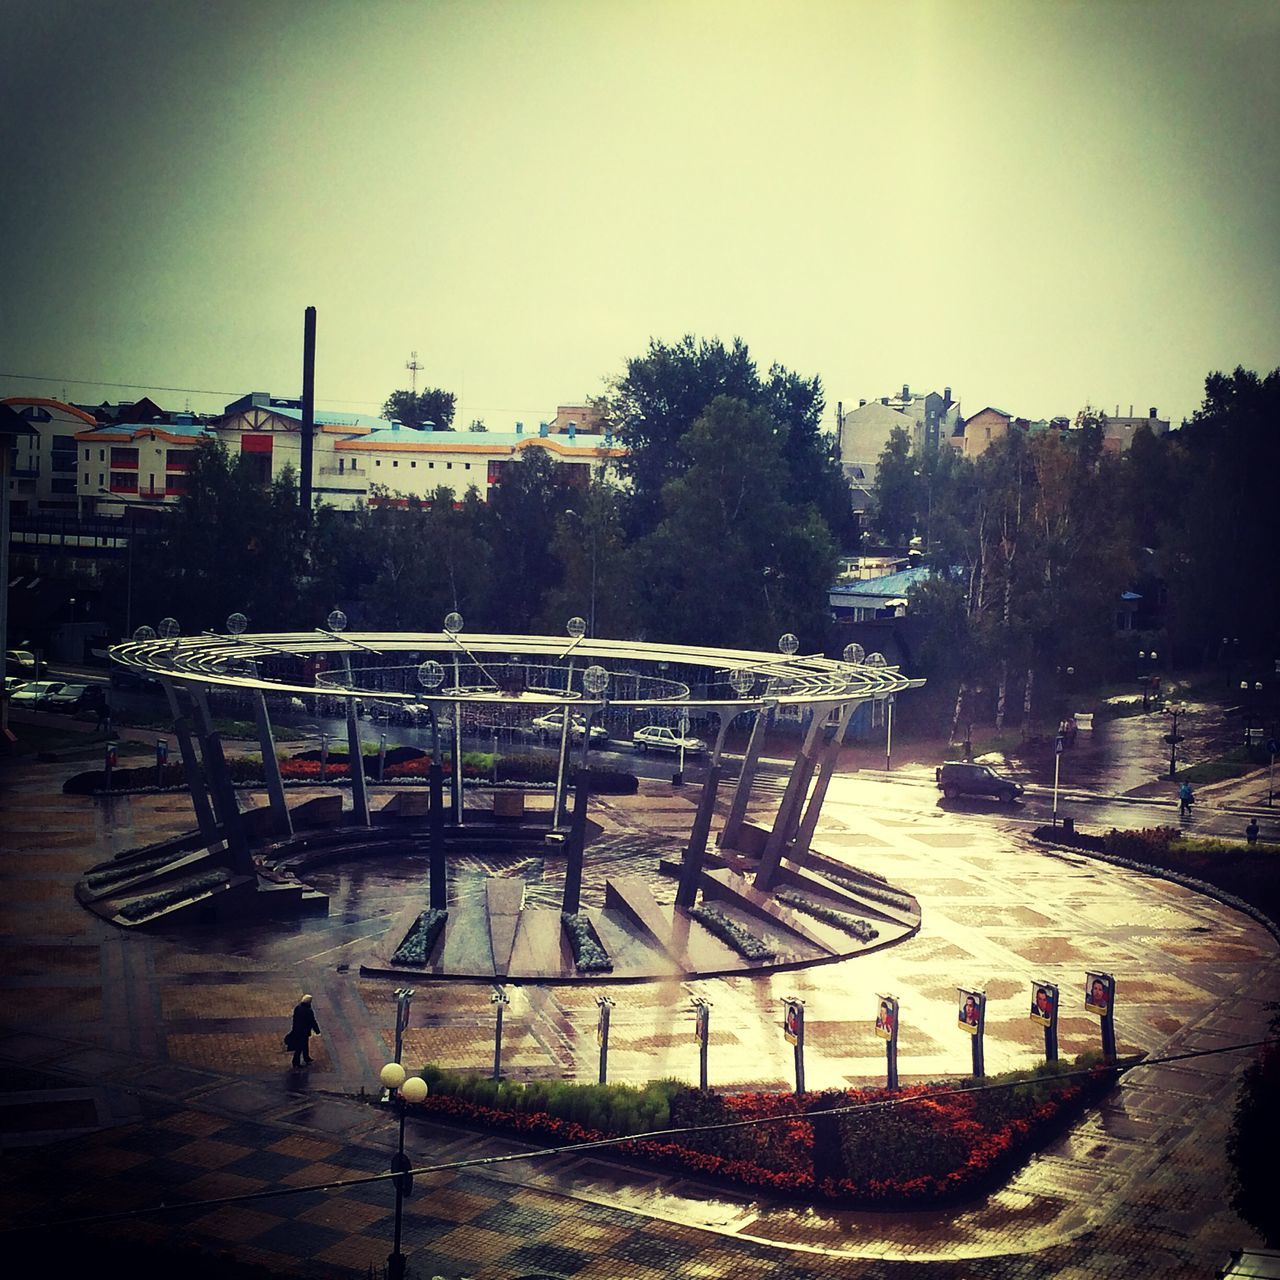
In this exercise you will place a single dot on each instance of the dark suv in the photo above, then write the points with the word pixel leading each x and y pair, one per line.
pixel 959 778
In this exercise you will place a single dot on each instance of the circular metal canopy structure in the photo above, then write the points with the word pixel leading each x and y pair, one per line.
pixel 488 668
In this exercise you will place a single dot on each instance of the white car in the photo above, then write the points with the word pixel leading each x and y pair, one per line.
pixel 552 724
pixel 661 737
pixel 35 694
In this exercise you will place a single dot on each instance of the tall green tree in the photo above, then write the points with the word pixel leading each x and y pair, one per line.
pixel 898 500
pixel 232 544
pixel 665 391
pixel 731 562
pixel 521 524
pixel 430 410
pixel 597 567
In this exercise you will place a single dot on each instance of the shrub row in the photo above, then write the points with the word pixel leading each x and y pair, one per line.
pixel 589 955
pixel 180 891
pixel 415 947
pixel 729 930
pixel 853 925
pixel 923 1145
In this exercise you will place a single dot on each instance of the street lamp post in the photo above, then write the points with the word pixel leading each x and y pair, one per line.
pixel 1146 674
pixel 1174 709
pixel 408 1089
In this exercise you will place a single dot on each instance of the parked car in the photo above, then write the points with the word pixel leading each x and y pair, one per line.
pixel 958 778
pixel 12 683
pixel 35 694
pixel 661 737
pixel 78 697
pixel 552 724
pixel 19 662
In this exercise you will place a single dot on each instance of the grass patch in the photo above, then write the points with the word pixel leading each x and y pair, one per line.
pixel 1235 764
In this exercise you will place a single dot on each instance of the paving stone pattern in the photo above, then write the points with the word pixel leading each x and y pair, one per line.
pixel 155 1061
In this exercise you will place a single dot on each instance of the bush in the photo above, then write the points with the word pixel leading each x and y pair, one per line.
pixel 589 955
pixel 180 891
pixel 415 947
pixel 1252 1143
pixel 933 1145
pixel 744 942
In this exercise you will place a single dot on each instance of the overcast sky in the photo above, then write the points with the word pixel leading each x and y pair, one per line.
pixel 1037 204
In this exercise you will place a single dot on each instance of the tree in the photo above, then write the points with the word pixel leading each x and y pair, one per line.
pixel 232 544
pixel 420 559
pixel 430 410
pixel 597 567
pixel 1219 561
pixel 898 490
pixel 520 524
pixel 731 562
pixel 664 392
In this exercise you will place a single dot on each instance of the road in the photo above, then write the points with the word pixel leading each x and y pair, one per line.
pixel 908 789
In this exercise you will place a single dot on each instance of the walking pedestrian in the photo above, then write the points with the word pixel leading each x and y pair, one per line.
pixel 1186 798
pixel 304 1024
pixel 1251 831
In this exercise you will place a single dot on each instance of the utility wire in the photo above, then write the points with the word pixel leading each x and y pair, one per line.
pixel 596 1144
pixel 218 391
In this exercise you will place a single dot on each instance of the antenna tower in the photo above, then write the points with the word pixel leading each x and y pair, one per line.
pixel 413 366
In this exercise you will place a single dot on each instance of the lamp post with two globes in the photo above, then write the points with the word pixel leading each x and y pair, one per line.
pixel 407 1089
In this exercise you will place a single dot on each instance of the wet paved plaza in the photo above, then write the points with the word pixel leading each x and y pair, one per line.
pixel 169 1046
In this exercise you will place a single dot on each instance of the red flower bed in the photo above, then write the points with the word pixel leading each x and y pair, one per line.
pixel 930 1146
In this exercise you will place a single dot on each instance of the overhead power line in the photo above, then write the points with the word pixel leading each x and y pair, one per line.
pixel 887 1102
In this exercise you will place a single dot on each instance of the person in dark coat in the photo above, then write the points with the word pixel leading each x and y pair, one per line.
pixel 304 1023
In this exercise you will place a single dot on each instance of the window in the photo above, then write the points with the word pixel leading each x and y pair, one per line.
pixel 124 482
pixel 377 462
pixel 86 458
pixel 33 413
pixel 448 466
pixel 395 462
pixel 102 480
pixel 431 466
pixel 342 465
pixel 124 457
pixel 63 453
pixel 86 479
pixel 102 455
pixel 176 483
pixel 177 460
pixel 468 466
pixel 412 464
pixel 62 486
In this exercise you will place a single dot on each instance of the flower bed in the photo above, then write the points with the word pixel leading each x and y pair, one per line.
pixel 859 928
pixel 930 1145
pixel 415 947
pixel 589 955
pixel 403 764
pixel 150 903
pixel 872 891
pixel 745 943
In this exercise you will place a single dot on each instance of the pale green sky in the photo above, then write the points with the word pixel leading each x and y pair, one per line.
pixel 1038 204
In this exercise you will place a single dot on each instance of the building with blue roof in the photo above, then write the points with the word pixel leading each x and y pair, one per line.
pixel 868 599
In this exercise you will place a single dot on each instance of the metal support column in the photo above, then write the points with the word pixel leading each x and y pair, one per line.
pixel 271 769
pixel 191 766
pixel 575 845
pixel 355 762
pixel 827 758
pixel 793 798
pixel 226 806
pixel 732 828
pixel 695 851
